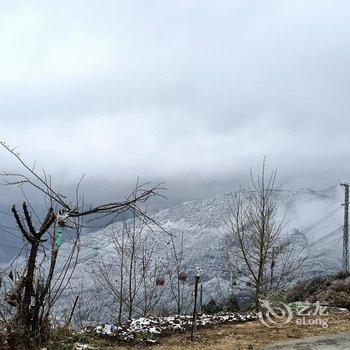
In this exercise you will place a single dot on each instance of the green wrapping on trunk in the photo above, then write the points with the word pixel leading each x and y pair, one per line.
pixel 58 239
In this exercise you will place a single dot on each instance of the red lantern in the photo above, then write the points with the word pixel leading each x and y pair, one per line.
pixel 160 280
pixel 183 276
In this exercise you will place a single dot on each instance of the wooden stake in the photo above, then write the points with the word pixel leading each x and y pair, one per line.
pixel 72 312
pixel 201 299
pixel 194 318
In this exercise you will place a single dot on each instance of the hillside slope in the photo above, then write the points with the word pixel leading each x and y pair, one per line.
pixel 203 227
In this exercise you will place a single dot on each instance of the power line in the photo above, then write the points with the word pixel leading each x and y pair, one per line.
pixel 332 244
pixel 10 246
pixel 11 233
pixel 320 220
pixel 5 213
pixel 330 234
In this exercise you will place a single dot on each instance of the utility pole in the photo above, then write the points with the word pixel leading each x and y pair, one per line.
pixel 345 262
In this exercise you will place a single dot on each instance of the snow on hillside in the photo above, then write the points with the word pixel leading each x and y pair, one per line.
pixel 202 224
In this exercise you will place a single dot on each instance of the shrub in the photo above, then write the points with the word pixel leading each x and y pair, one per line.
pixel 342 275
pixel 275 297
pixel 333 290
pixel 305 290
pixel 232 303
pixel 334 298
pixel 212 307
pixel 341 286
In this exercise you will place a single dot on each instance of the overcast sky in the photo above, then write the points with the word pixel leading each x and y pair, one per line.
pixel 189 92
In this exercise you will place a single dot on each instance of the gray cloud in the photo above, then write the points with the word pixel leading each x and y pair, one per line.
pixel 189 92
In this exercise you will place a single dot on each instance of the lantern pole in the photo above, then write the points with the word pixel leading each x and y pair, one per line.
pixel 194 318
pixel 201 299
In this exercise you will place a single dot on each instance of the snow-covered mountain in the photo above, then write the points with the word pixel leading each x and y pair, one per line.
pixel 202 224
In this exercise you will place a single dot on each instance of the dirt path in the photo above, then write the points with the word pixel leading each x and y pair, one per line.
pixel 253 335
pixel 328 342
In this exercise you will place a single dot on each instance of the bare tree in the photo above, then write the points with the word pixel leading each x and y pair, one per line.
pixel 260 252
pixel 129 272
pixel 177 273
pixel 151 274
pixel 34 294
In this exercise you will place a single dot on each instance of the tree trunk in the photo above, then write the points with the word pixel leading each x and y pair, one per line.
pixel 24 311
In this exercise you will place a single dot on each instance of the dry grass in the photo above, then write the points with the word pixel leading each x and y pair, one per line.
pixel 252 335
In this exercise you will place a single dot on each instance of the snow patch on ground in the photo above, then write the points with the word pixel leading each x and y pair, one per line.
pixel 145 329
